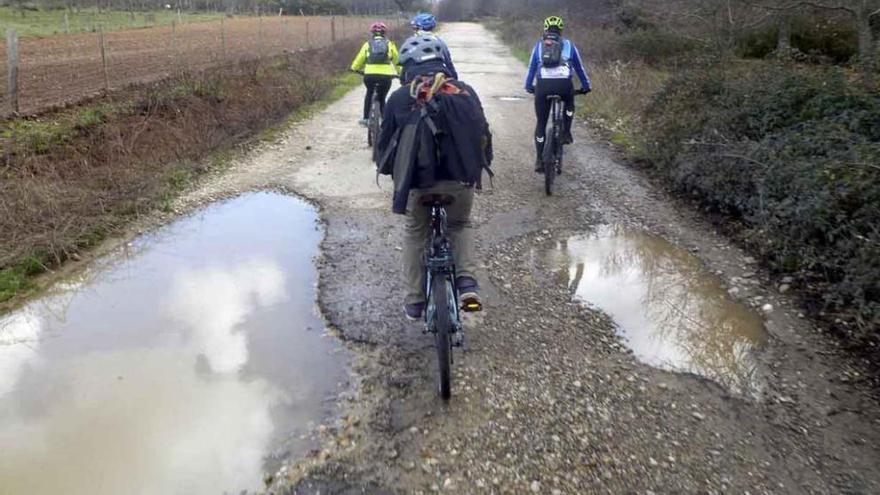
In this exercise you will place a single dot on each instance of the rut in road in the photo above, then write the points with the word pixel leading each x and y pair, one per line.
pixel 547 398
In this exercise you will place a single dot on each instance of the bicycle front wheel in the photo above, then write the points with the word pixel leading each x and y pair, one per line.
pixel 441 291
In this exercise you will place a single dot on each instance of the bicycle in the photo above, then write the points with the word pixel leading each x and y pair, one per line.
pixel 552 156
pixel 374 124
pixel 442 312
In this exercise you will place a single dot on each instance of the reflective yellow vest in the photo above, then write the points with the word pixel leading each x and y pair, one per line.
pixel 387 69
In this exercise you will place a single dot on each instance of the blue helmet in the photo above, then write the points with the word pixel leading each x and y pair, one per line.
pixel 424 21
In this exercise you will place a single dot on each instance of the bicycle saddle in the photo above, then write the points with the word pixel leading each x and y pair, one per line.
pixel 554 97
pixel 437 199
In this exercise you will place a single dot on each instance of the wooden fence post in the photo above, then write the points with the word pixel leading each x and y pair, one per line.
pixel 12 64
pixel 66 23
pixel 260 49
pixel 333 29
pixel 103 56
pixel 174 42
pixel 223 38
pixel 307 35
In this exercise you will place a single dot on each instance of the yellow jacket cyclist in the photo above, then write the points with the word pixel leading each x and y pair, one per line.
pixel 378 61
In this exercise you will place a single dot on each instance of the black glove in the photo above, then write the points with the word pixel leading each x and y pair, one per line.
pixel 530 91
pixel 583 91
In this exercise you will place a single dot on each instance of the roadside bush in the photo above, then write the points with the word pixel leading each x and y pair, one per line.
pixel 795 154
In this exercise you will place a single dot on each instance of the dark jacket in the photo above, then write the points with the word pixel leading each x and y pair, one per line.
pixel 416 157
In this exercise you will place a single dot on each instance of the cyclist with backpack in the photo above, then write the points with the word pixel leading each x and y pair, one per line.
pixel 554 62
pixel 377 59
pixel 423 27
pixel 434 140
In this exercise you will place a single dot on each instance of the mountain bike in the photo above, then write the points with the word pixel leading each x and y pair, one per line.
pixel 442 312
pixel 552 156
pixel 374 124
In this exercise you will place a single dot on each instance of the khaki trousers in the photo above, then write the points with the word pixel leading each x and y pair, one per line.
pixel 418 229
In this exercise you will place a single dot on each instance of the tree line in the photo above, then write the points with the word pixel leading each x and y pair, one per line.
pixel 285 7
pixel 718 24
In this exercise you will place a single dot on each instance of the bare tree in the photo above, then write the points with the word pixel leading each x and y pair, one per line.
pixel 783 37
pixel 860 11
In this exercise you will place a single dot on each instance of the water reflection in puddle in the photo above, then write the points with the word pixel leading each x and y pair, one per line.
pixel 174 368
pixel 670 311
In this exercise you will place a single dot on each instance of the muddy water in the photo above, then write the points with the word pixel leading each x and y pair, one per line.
pixel 670 311
pixel 175 366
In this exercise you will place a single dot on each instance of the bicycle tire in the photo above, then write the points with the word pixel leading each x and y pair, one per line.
pixel 559 153
pixel 375 115
pixel 549 159
pixel 440 291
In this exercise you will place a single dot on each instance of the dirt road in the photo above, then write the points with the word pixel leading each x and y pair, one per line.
pixel 547 397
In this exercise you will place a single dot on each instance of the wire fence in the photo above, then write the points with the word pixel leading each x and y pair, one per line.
pixel 63 69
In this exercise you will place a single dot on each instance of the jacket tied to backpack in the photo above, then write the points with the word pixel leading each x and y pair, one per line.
pixel 434 130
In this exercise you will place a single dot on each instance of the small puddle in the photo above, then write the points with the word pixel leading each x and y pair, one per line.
pixel 672 312
pixel 190 363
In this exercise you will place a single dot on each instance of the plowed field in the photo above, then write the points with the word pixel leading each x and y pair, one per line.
pixel 66 68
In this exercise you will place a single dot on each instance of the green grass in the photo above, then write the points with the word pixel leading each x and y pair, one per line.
pixel 521 55
pixel 18 278
pixel 40 136
pixel 36 136
pixel 51 22
pixel 177 181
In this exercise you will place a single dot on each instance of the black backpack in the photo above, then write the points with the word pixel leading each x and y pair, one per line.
pixel 551 50
pixel 378 51
pixel 442 106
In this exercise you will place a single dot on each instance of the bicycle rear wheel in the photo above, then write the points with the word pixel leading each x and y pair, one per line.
pixel 375 124
pixel 441 291
pixel 549 159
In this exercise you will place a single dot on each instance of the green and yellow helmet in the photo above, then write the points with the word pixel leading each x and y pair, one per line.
pixel 554 21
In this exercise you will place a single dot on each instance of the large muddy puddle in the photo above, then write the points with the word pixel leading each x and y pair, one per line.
pixel 182 365
pixel 672 312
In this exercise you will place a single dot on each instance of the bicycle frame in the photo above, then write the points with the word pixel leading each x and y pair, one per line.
pixel 440 262
pixel 552 156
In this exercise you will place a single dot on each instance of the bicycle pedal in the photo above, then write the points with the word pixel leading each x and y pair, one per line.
pixel 472 306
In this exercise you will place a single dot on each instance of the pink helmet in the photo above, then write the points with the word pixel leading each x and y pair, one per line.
pixel 378 27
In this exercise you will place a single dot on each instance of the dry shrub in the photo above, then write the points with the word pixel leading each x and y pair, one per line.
pixel 623 91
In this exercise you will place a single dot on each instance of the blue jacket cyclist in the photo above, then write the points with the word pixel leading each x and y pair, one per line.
pixel 554 62
pixel 423 25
